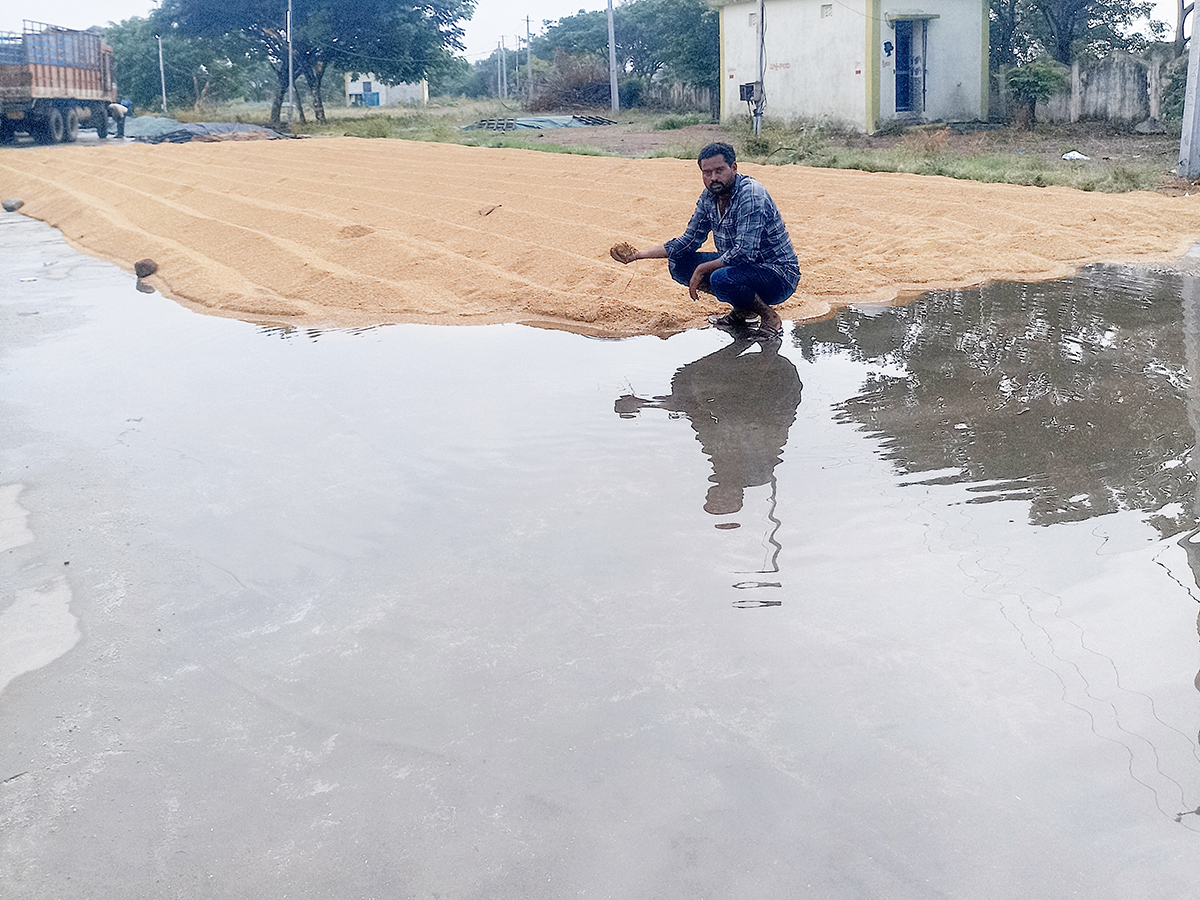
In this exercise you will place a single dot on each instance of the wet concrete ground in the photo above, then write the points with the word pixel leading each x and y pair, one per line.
pixel 903 610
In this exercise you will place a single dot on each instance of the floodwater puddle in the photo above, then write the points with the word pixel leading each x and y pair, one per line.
pixel 916 586
pixel 1072 396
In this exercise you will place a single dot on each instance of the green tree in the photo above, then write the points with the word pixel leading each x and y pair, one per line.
pixel 1022 30
pixel 585 33
pixel 650 35
pixel 397 41
pixel 642 32
pixel 693 44
pixel 1070 29
pixel 1009 39
pixel 1036 80
pixel 195 69
pixel 677 39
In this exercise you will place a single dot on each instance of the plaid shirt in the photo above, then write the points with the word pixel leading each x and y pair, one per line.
pixel 750 233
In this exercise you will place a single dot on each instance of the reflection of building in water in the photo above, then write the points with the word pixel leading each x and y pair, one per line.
pixel 1069 394
pixel 1190 542
pixel 741 406
pixel 1191 338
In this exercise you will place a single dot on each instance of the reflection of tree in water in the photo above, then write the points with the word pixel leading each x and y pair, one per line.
pixel 741 405
pixel 1071 394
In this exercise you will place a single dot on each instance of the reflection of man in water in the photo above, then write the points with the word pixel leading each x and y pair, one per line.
pixel 741 406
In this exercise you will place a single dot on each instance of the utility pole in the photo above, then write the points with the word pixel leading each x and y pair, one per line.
pixel 504 68
pixel 529 58
pixel 162 74
pixel 291 72
pixel 612 61
pixel 759 94
pixel 517 67
pixel 499 70
pixel 1189 141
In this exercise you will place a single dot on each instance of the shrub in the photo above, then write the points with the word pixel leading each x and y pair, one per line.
pixel 1036 81
pixel 669 123
pixel 756 145
pixel 926 142
pixel 574 81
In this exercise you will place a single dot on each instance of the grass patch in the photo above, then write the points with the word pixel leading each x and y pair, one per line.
pixel 671 123
pixel 1002 155
pixel 515 140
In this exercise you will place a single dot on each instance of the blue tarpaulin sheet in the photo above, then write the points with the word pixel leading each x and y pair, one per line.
pixel 155 130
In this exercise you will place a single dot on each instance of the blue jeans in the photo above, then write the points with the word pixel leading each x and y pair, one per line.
pixel 735 285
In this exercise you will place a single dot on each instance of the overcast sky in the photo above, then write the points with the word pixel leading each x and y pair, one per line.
pixel 493 19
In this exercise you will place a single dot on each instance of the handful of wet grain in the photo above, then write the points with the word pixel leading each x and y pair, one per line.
pixel 623 252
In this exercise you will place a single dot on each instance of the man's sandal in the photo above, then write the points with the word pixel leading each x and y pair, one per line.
pixel 765 333
pixel 731 322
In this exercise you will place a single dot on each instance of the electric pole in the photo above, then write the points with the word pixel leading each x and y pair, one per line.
pixel 503 69
pixel 291 72
pixel 529 58
pixel 162 74
pixel 1189 141
pixel 759 96
pixel 612 61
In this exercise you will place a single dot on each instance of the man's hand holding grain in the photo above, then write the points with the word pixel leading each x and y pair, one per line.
pixel 623 253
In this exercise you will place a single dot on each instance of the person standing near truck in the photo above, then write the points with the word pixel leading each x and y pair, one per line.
pixel 118 111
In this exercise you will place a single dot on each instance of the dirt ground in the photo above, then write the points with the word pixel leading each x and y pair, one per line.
pixel 634 140
pixel 353 232
pixel 1046 143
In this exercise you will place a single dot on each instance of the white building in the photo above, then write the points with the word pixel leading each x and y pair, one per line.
pixel 858 63
pixel 367 91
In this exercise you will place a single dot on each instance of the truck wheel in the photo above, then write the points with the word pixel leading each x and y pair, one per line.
pixel 71 131
pixel 101 114
pixel 50 129
pixel 7 132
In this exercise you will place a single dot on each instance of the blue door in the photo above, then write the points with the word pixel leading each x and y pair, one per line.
pixel 910 65
pixel 904 85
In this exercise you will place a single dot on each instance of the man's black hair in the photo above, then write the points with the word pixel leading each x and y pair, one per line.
pixel 718 149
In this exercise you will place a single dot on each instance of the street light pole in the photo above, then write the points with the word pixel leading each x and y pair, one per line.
pixel 291 73
pixel 162 74
pixel 612 62
pixel 1189 141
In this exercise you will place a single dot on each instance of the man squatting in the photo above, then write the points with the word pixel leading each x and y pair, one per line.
pixel 755 266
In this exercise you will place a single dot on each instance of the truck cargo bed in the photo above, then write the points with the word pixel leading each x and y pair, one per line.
pixel 48 62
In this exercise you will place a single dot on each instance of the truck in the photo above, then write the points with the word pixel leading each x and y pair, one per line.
pixel 53 81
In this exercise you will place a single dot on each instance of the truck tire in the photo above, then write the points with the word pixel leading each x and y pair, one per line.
pixel 7 132
pixel 50 129
pixel 100 113
pixel 71 129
